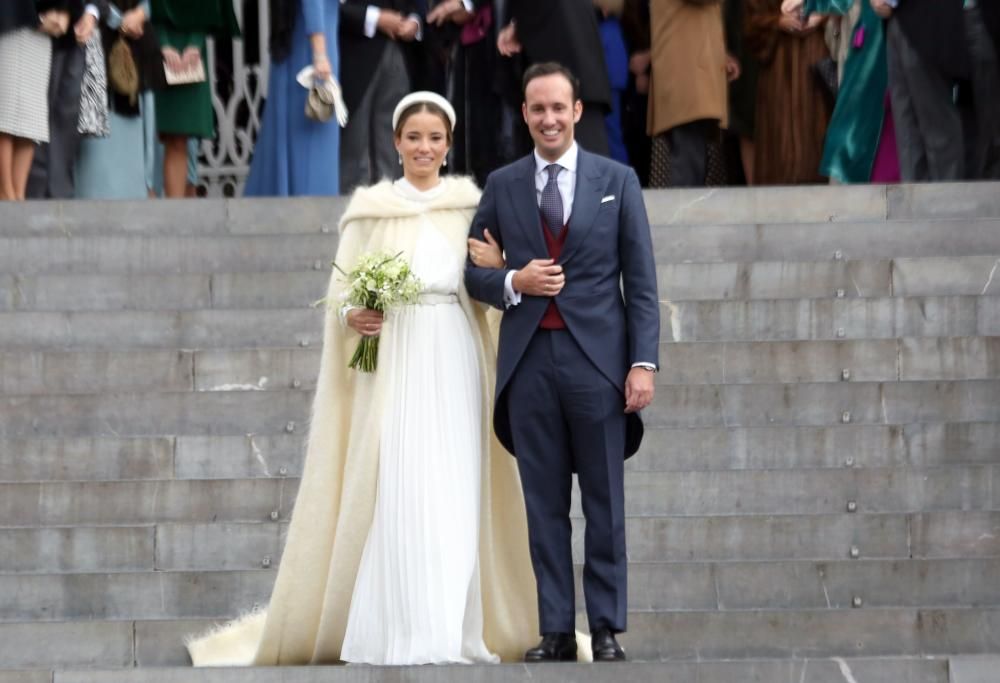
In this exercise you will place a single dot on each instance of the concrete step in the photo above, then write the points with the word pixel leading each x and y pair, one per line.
pixel 185 292
pixel 810 492
pixel 801 448
pixel 683 363
pixel 718 206
pixel 685 635
pixel 652 587
pixel 804 241
pixel 811 670
pixel 801 205
pixel 822 319
pixel 118 330
pixel 763 281
pixel 142 254
pixel 736 492
pixel 187 413
pixel 110 458
pixel 777 320
pixel 945 534
pixel 165 457
pixel 203 217
pixel 215 546
pixel 146 502
pixel 212 413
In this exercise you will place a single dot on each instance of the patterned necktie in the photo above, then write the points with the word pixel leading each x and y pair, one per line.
pixel 552 206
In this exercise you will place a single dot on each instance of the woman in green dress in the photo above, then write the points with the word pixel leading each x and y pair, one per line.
pixel 185 111
pixel 860 141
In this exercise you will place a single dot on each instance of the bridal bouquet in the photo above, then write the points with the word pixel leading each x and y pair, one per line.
pixel 380 282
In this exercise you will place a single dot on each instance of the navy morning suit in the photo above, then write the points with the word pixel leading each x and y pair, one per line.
pixel 560 393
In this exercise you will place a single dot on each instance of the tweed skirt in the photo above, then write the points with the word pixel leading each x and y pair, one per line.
pixel 25 67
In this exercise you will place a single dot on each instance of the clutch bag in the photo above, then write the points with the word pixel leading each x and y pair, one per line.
pixel 193 74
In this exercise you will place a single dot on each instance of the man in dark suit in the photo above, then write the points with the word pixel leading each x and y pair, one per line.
pixel 577 352
pixel 926 53
pixel 982 33
pixel 565 32
pixel 53 167
pixel 375 77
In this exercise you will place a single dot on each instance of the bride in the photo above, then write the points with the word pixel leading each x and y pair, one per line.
pixel 408 543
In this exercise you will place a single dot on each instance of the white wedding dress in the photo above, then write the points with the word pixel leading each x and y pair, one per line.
pixel 417 595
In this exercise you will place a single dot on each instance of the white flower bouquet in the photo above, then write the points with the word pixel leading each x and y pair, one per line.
pixel 381 282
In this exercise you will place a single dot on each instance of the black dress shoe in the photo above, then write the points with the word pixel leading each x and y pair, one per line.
pixel 605 647
pixel 555 647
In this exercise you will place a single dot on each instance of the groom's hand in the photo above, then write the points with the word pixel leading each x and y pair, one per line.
pixel 639 389
pixel 541 277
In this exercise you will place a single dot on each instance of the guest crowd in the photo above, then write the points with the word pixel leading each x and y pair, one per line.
pixel 110 98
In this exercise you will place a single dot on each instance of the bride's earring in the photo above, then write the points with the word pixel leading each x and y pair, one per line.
pixel 400 159
pixel 445 162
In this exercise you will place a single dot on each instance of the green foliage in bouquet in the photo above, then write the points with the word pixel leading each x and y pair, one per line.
pixel 381 282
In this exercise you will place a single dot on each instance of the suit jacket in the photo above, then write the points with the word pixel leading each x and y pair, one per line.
pixel 609 302
pixel 564 31
pixel 360 54
pixel 936 29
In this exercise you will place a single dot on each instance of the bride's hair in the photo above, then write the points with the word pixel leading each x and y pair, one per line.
pixel 428 107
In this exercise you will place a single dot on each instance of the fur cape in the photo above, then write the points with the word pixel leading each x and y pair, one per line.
pixel 307 616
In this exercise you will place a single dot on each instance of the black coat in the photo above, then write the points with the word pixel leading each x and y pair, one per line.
pixel 360 55
pixel 564 31
pixel 936 29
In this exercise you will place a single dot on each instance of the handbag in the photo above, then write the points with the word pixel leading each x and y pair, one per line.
pixel 123 73
pixel 193 74
pixel 319 104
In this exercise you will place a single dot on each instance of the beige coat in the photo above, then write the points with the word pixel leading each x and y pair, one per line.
pixel 307 615
pixel 688 65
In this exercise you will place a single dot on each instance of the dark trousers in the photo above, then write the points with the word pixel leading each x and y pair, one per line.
pixel 567 416
pixel 688 155
pixel 367 150
pixel 928 124
pixel 53 166
pixel 983 156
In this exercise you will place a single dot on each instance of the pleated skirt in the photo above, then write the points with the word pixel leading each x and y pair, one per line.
pixel 25 67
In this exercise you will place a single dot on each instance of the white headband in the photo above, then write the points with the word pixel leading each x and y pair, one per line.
pixel 422 96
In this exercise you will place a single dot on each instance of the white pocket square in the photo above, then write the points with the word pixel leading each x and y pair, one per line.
pixel 609 198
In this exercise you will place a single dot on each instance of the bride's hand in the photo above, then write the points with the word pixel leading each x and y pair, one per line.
pixel 486 254
pixel 365 321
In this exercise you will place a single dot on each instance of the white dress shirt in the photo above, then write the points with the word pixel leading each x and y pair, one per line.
pixel 373 12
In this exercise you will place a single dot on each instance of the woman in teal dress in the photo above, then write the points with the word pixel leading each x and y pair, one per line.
pixel 860 119
pixel 185 111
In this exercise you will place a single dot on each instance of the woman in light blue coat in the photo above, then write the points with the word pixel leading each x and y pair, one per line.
pixel 295 155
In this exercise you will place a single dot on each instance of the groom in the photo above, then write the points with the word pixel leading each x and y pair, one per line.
pixel 577 353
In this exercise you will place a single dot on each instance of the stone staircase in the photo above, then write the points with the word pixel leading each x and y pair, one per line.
pixel 817 499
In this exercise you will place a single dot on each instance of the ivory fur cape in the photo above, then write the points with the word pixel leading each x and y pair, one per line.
pixel 307 616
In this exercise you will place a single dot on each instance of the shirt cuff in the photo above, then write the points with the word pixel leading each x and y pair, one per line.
pixel 643 364
pixel 371 20
pixel 342 313
pixel 469 7
pixel 510 297
pixel 93 11
pixel 420 26
pixel 114 20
